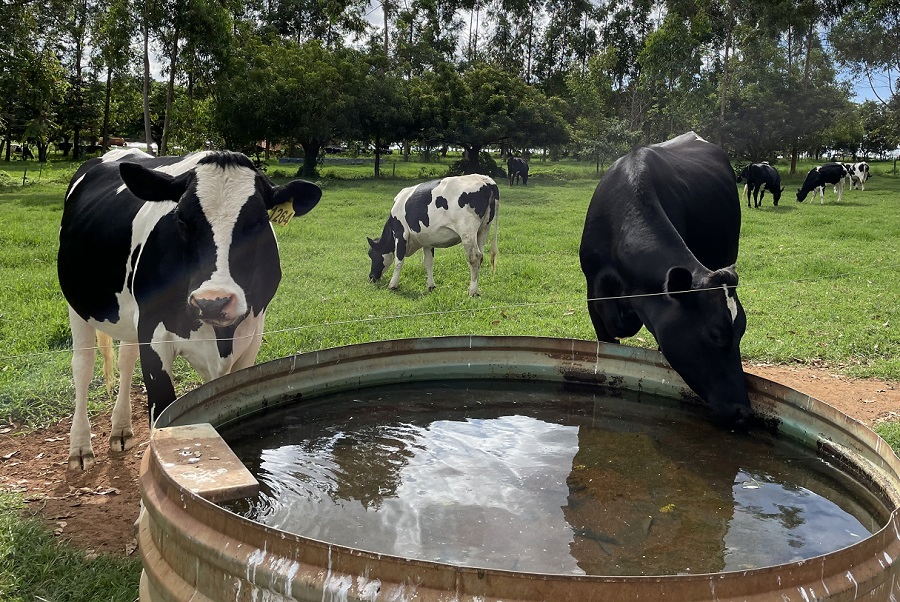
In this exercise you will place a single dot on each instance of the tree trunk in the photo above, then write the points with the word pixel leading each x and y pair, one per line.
pixel 79 47
pixel 728 36
pixel 473 165
pixel 384 8
pixel 377 157
pixel 530 44
pixel 148 134
pixel 311 150
pixel 105 132
pixel 170 94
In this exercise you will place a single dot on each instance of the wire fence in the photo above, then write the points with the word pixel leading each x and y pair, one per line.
pixel 490 308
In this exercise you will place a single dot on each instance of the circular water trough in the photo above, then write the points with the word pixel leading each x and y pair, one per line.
pixel 193 549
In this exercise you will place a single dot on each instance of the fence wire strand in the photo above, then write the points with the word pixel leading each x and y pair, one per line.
pixel 368 319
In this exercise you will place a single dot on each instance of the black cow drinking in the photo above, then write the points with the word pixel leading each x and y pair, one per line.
pixel 659 245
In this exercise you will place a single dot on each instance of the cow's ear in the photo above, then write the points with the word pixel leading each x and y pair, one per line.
pixel 152 185
pixel 304 196
pixel 371 242
pixel 678 280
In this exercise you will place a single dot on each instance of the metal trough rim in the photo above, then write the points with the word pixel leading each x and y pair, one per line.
pixel 293 565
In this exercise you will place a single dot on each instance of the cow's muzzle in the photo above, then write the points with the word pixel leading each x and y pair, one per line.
pixel 216 311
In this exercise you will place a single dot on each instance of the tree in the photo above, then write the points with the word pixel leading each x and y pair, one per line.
pixel 596 130
pixel 43 87
pixel 289 93
pixel 384 110
pixel 487 106
pixel 115 28
pixel 867 40
pixel 199 28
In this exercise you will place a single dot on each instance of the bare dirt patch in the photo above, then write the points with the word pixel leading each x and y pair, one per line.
pixel 95 510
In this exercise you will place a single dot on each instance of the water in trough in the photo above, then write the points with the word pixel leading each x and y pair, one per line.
pixel 545 478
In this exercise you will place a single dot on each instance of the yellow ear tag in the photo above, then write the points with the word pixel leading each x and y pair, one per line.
pixel 282 214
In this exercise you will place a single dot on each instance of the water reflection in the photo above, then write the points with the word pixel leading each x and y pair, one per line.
pixel 540 479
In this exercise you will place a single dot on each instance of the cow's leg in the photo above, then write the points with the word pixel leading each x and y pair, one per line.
pixel 121 437
pixel 81 454
pixel 156 365
pixel 840 190
pixel 746 193
pixel 248 357
pixel 428 260
pixel 395 279
pixel 475 255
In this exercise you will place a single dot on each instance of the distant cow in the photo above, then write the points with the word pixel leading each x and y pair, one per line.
pixel 440 213
pixel 857 173
pixel 760 177
pixel 659 245
pixel 515 167
pixel 172 256
pixel 820 177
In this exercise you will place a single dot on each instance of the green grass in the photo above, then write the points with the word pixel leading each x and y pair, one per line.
pixel 817 281
pixel 34 566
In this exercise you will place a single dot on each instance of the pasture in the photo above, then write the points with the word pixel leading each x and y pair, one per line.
pixel 817 283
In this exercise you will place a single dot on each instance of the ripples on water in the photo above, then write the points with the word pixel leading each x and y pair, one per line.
pixel 534 477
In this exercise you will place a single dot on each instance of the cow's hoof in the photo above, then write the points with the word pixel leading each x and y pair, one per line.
pixel 81 461
pixel 122 440
pixel 431 288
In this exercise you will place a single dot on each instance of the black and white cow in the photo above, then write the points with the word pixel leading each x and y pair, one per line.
pixel 516 167
pixel 659 246
pixel 440 213
pixel 172 256
pixel 759 178
pixel 857 174
pixel 821 176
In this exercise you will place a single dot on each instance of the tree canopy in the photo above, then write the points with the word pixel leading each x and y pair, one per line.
pixel 563 76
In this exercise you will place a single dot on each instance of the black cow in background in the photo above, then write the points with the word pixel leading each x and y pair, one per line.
pixel 760 177
pixel 659 246
pixel 515 167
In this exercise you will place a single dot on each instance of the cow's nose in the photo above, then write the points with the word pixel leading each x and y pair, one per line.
pixel 211 308
pixel 734 416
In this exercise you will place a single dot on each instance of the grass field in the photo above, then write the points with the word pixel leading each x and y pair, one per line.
pixel 817 281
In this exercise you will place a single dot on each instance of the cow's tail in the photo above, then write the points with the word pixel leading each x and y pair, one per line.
pixel 495 251
pixel 108 353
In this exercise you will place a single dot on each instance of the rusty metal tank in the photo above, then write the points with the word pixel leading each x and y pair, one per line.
pixel 193 549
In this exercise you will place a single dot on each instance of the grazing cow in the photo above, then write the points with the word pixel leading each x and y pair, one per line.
pixel 821 176
pixel 440 213
pixel 760 177
pixel 659 245
pixel 515 167
pixel 857 173
pixel 172 256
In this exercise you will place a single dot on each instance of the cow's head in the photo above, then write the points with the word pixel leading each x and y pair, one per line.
pixel 700 334
pixel 381 252
pixel 741 173
pixel 220 232
pixel 776 195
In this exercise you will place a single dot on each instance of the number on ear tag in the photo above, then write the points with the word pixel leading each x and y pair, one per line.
pixel 282 214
